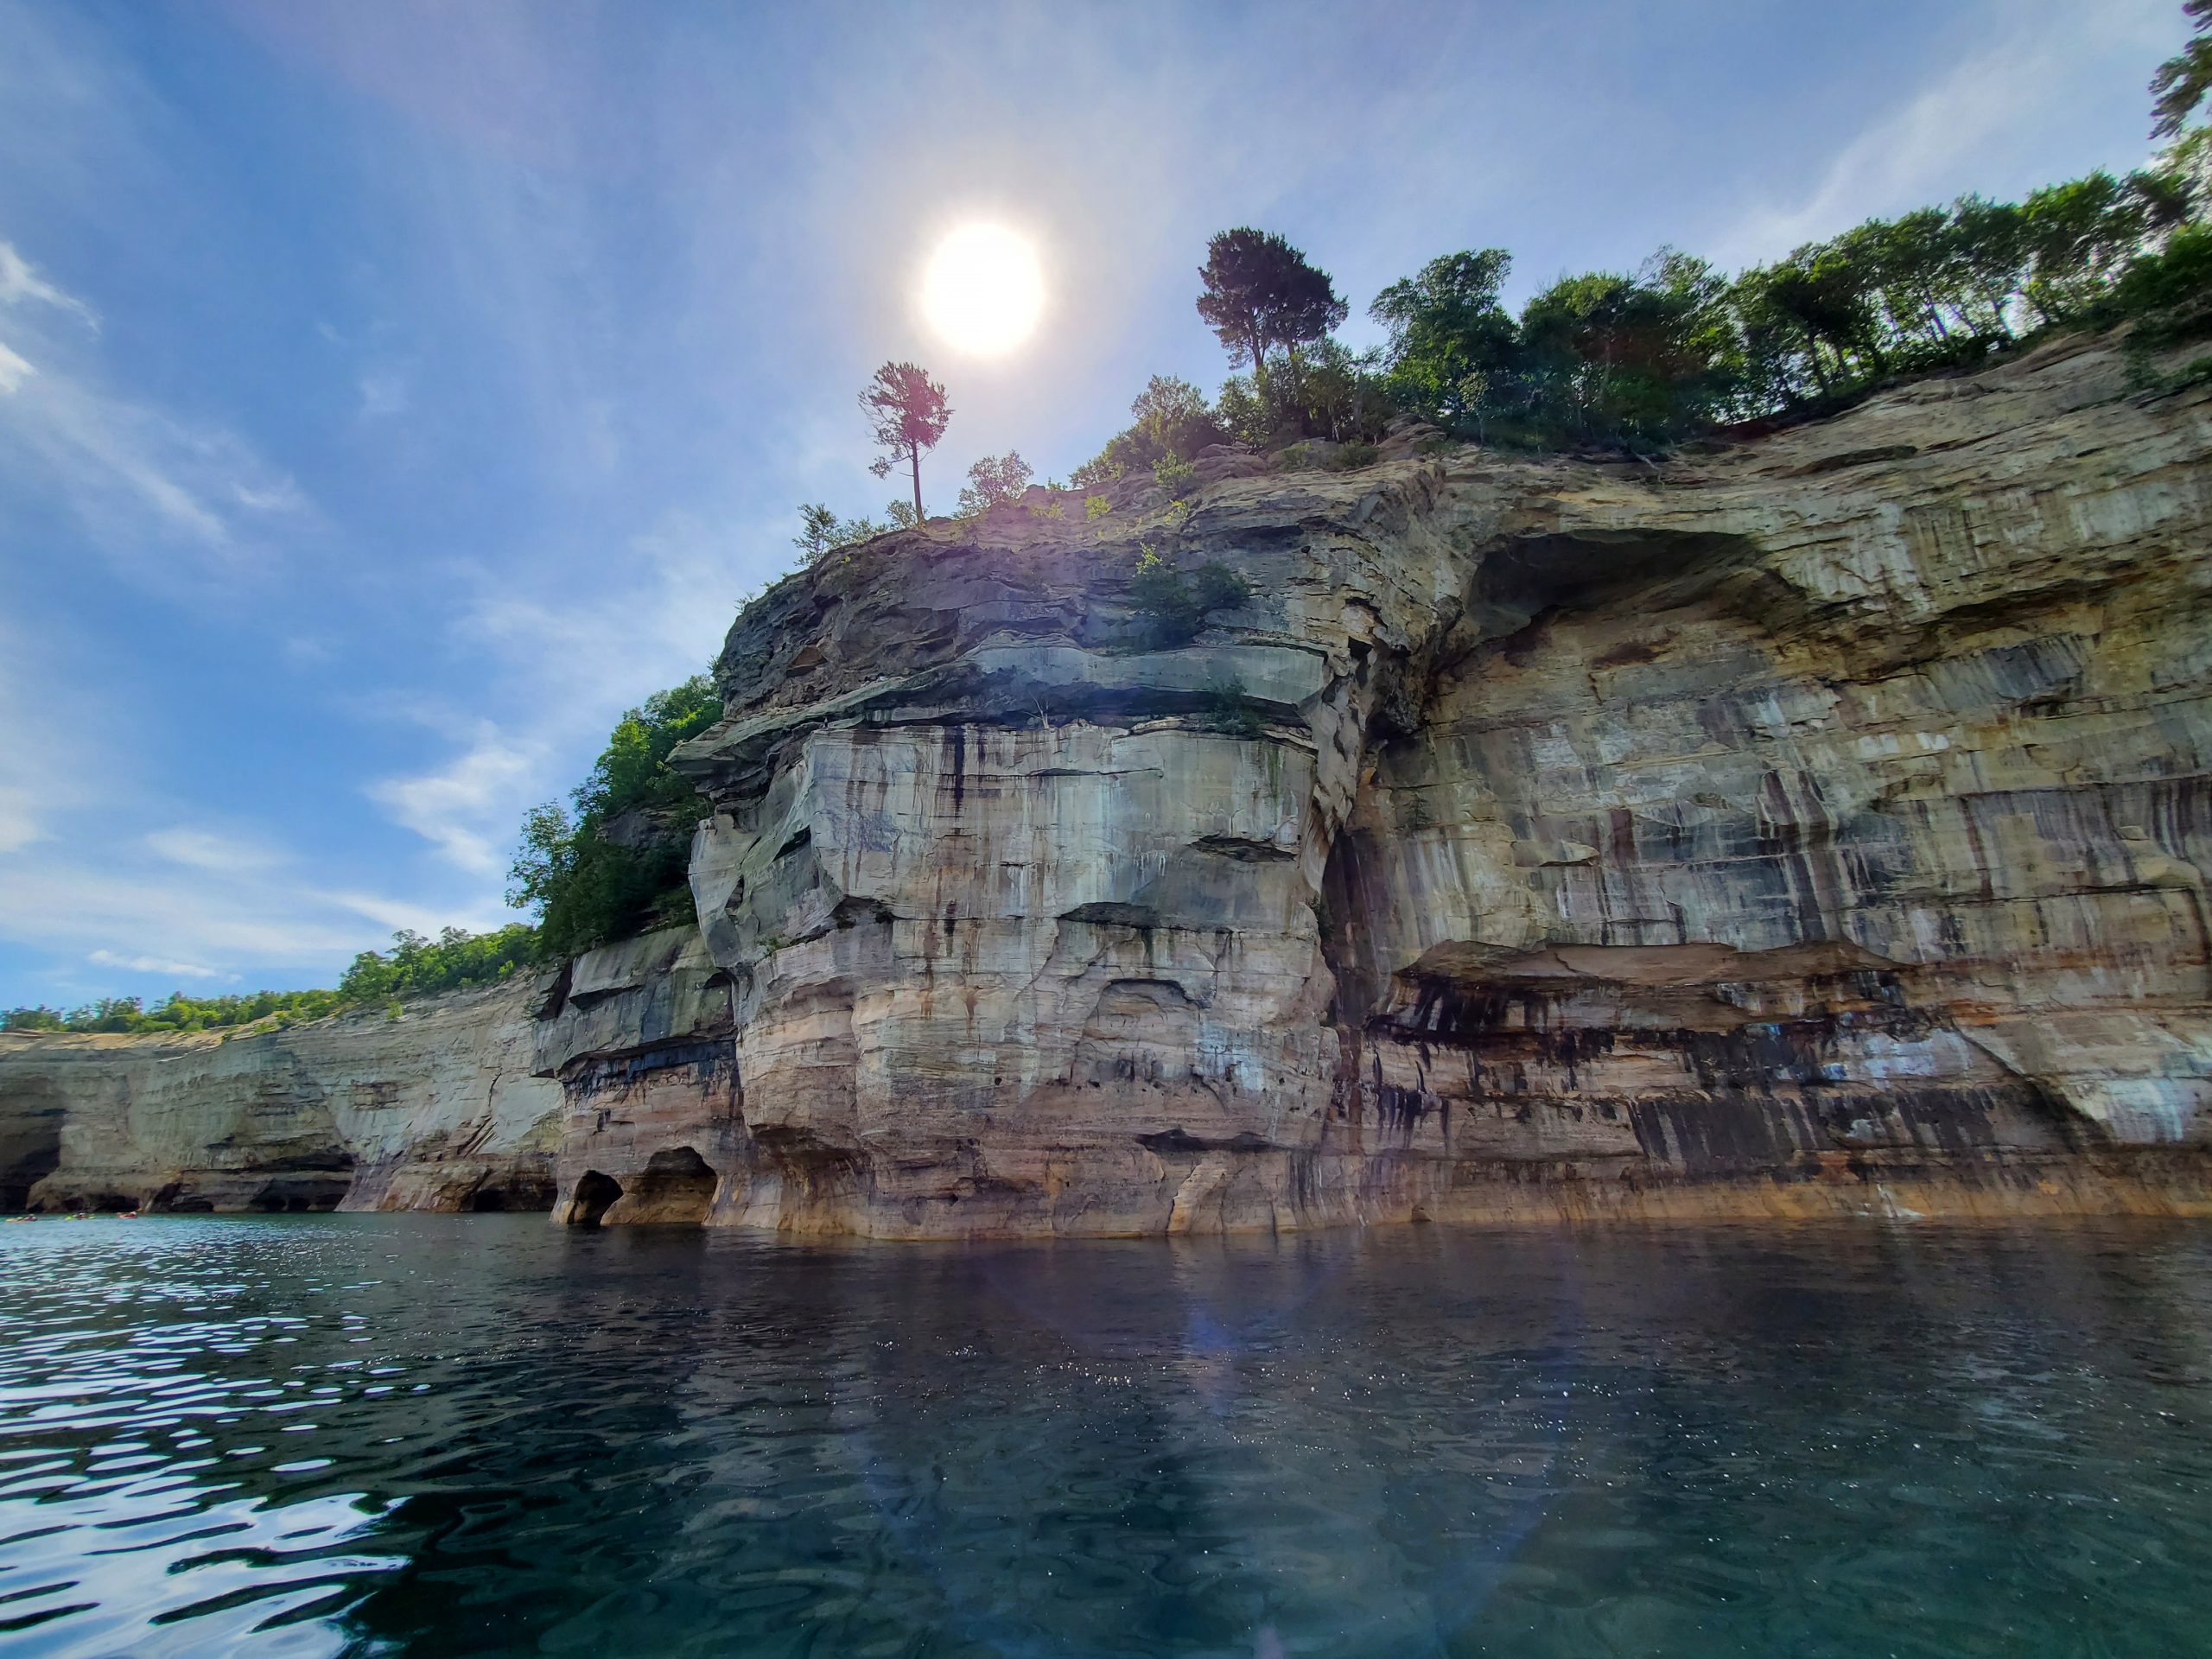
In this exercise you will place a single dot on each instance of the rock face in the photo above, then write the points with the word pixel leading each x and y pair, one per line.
pixel 435 1110
pixel 1817 825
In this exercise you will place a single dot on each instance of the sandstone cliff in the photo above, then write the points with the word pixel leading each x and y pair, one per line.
pixel 437 1109
pixel 1811 825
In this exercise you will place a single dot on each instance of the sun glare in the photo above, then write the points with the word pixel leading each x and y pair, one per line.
pixel 982 290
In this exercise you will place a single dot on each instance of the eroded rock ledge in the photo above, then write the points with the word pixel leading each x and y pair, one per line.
pixel 1814 826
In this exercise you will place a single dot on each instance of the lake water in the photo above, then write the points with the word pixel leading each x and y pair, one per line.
pixel 461 1435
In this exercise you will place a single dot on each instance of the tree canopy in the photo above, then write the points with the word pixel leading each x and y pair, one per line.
pixel 993 481
pixel 908 414
pixel 415 965
pixel 2183 80
pixel 1260 292
pixel 618 863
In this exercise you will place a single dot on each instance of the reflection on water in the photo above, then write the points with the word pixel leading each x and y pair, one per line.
pixel 461 1435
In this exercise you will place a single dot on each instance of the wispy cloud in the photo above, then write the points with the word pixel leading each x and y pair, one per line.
pixel 573 660
pixel 20 285
pixel 204 849
pixel 129 470
pixel 384 393
pixel 157 965
pixel 1909 154
pixel 464 806
pixel 279 919
pixel 40 776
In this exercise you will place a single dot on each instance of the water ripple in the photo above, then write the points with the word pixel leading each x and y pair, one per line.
pixel 455 1435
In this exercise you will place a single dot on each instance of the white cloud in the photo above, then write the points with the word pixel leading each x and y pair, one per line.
pixel 202 849
pixel 192 900
pixel 384 392
pixel 19 820
pixel 20 285
pixel 270 920
pixel 574 659
pixel 13 370
pixel 38 777
pixel 465 807
pixel 157 965
pixel 131 472
pixel 1909 155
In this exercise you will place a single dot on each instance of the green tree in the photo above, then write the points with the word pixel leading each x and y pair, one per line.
pixel 2183 80
pixel 1452 345
pixel 908 414
pixel 993 481
pixel 1988 262
pixel 1262 292
pixel 1635 361
pixel 817 532
pixel 1169 419
pixel 1340 396
pixel 455 960
pixel 1172 605
pixel 619 864
pixel 2079 236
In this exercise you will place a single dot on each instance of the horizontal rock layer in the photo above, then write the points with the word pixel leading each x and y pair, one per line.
pixel 1810 826
pixel 436 1107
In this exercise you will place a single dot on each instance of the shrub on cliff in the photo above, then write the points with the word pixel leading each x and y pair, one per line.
pixel 1171 607
pixel 993 481
pixel 415 966
pixel 1170 421
pixel 455 960
pixel 129 1014
pixel 619 865
pixel 821 532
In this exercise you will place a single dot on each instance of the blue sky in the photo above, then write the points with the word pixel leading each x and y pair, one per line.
pixel 390 394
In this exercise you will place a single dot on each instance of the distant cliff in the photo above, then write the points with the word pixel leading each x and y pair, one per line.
pixel 1808 826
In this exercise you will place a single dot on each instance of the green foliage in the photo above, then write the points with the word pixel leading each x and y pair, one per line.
pixel 1170 421
pixel 1227 708
pixel 2170 289
pixel 1171 605
pixel 619 864
pixel 455 960
pixel 1450 339
pixel 179 1013
pixel 1174 475
pixel 993 481
pixel 1260 292
pixel 415 966
pixel 1636 362
pixel 1096 507
pixel 907 413
pixel 1243 414
pixel 2184 78
pixel 821 532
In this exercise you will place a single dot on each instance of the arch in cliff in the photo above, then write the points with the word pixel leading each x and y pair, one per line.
pixel 593 1196
pixel 677 1185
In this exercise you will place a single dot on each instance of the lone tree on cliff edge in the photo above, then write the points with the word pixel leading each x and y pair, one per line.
pixel 1261 292
pixel 909 413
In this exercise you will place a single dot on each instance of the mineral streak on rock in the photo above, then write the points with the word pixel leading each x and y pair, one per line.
pixel 1811 826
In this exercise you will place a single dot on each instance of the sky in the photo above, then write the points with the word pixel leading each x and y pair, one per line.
pixel 392 394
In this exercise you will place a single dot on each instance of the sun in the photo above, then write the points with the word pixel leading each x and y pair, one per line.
pixel 983 290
